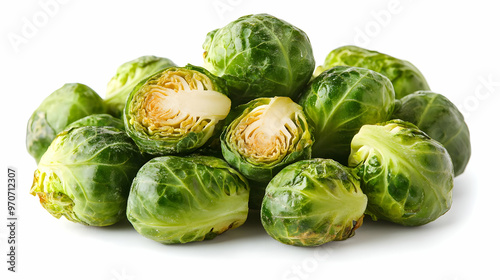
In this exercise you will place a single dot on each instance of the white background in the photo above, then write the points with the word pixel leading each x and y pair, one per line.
pixel 455 45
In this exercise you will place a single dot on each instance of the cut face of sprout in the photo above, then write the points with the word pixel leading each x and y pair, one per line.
pixel 264 136
pixel 180 101
pixel 268 133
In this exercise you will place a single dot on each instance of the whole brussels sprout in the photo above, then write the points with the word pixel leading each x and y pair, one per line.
pixel 86 174
pixel 407 176
pixel 259 56
pixel 127 76
pixel 176 110
pixel 184 199
pixel 264 136
pixel 441 120
pixel 98 120
pixel 64 106
pixel 341 100
pixel 312 202
pixel 405 77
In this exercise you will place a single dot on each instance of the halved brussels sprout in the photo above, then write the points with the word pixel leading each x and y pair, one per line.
pixel 405 77
pixel 259 56
pixel 64 106
pixel 264 136
pixel 341 100
pixel 312 202
pixel 86 174
pixel 127 76
pixel 176 110
pixel 407 176
pixel 98 120
pixel 441 120
pixel 184 199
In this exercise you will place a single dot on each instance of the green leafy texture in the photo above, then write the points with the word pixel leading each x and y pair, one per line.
pixel 98 120
pixel 262 137
pixel 407 176
pixel 127 76
pixel 312 202
pixel 259 56
pixel 341 100
pixel 86 174
pixel 64 106
pixel 439 118
pixel 176 110
pixel 405 77
pixel 185 199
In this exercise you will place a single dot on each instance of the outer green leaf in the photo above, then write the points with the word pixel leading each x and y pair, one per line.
pixel 86 174
pixel 98 120
pixel 64 106
pixel 127 76
pixel 176 110
pixel 260 56
pixel 405 77
pixel 312 202
pixel 341 100
pixel 184 199
pixel 407 176
pixel 441 120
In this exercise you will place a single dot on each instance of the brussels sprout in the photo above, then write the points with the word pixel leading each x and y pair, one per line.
pixel 312 202
pixel 405 77
pixel 86 174
pixel 339 102
pixel 127 76
pixel 441 120
pixel 407 176
pixel 64 106
pixel 264 136
pixel 184 199
pixel 259 56
pixel 98 120
pixel 176 110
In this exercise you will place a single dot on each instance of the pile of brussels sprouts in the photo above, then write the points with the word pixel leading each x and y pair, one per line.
pixel 184 152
